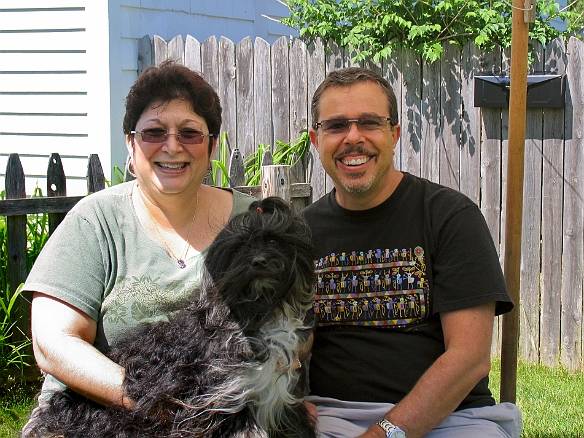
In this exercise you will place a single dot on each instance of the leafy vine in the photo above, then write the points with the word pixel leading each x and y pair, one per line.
pixel 375 28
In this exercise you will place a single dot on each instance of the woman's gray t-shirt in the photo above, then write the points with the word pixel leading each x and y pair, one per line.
pixel 101 261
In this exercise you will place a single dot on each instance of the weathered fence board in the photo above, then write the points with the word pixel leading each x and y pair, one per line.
pixel 145 53
pixel 176 49
pixel 275 181
pixel 245 98
pixel 391 70
pixel 450 104
pixel 210 62
pixel 411 117
pixel 193 54
pixel 431 115
pixel 531 230
pixel 263 93
pixel 95 175
pixel 16 241
pixel 449 140
pixel 298 100
pixel 482 181
pixel 471 139
pixel 316 74
pixel 552 201
pixel 16 207
pixel 504 135
pixel 333 57
pixel 280 89
pixel 226 88
pixel 56 186
pixel 571 294
pixel 334 60
pixel 159 50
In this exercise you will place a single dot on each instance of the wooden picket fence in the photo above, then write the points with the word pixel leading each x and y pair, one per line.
pixel 17 206
pixel 275 181
pixel 266 91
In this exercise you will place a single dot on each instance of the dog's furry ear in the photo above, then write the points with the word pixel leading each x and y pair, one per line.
pixel 270 204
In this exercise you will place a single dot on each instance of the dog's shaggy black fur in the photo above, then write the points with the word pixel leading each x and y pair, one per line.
pixel 224 366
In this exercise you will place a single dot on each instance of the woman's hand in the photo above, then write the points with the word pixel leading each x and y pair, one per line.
pixel 312 412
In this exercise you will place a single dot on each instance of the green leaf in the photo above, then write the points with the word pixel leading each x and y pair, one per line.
pixel 368 26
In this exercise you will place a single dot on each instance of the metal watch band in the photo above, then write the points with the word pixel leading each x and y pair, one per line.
pixel 389 428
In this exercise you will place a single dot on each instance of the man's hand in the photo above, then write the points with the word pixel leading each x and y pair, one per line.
pixel 373 432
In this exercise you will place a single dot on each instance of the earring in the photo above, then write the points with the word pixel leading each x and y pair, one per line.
pixel 209 170
pixel 130 165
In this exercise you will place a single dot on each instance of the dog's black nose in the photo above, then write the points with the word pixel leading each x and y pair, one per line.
pixel 259 262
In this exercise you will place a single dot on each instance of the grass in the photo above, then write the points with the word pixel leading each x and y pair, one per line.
pixel 551 400
pixel 17 397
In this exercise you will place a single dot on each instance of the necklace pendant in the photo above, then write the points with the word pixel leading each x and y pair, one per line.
pixel 181 263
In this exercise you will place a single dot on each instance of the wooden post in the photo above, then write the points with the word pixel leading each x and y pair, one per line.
pixel 513 223
pixel 236 169
pixel 268 158
pixel 144 53
pixel 95 176
pixel 16 243
pixel 56 186
pixel 275 181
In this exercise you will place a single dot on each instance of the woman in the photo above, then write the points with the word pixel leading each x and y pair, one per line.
pixel 121 254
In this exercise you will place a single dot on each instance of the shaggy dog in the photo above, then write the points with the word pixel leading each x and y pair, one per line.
pixel 225 364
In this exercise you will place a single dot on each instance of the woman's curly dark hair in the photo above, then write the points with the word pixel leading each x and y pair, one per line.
pixel 170 81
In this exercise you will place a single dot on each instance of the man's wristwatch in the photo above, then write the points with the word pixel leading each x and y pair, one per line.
pixel 391 430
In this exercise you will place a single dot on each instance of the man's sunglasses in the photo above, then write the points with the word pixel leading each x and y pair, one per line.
pixel 185 136
pixel 364 124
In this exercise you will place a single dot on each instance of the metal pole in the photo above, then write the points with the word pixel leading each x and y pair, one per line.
pixel 513 222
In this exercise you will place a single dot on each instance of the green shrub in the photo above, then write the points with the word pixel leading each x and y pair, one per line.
pixel 376 28
pixel 284 153
pixel 14 345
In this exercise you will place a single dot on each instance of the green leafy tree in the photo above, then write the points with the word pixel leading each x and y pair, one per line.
pixel 577 16
pixel 374 28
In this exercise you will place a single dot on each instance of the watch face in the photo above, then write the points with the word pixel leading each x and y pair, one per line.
pixel 397 434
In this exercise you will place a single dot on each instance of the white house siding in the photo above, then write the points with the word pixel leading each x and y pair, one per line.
pixel 44 82
pixel 67 65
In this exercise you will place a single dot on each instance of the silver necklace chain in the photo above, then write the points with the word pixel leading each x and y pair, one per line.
pixel 180 261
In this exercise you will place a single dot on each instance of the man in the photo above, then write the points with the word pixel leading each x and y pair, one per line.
pixel 409 284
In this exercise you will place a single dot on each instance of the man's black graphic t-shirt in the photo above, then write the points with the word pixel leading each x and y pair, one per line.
pixel 383 275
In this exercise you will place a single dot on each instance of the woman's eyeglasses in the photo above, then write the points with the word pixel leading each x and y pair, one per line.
pixel 364 124
pixel 185 136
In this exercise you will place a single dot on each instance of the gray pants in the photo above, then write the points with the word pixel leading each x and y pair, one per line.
pixel 50 385
pixel 340 419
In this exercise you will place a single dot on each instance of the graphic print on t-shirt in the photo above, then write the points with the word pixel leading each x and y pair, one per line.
pixel 371 288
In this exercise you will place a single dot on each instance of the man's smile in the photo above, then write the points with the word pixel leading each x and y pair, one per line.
pixel 354 161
